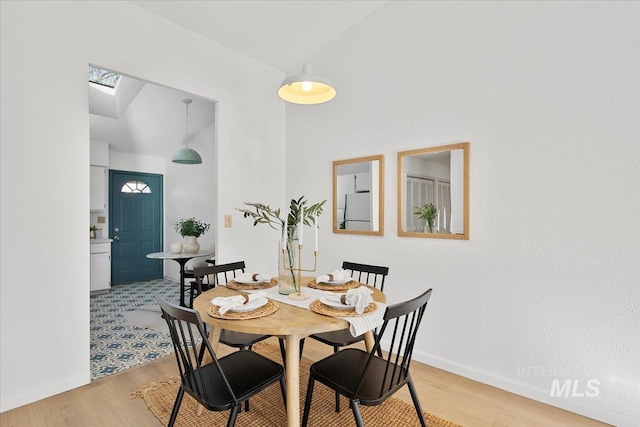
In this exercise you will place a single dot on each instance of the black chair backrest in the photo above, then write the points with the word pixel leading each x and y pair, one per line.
pixel 400 328
pixel 225 272
pixel 202 273
pixel 186 328
pixel 371 275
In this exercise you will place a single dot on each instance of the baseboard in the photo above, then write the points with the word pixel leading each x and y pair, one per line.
pixel 42 393
pixel 517 387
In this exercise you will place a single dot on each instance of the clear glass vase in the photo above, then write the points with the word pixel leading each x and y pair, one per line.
pixel 287 265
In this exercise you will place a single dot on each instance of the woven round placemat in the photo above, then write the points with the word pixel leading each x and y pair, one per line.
pixel 251 286
pixel 351 284
pixel 320 308
pixel 269 308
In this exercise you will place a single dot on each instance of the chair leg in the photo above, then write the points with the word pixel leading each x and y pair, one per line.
pixel 246 403
pixel 356 413
pixel 283 389
pixel 232 416
pixel 301 347
pixel 416 403
pixel 282 352
pixel 335 350
pixel 193 293
pixel 307 402
pixel 176 407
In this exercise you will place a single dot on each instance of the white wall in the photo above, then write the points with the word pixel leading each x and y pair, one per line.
pixel 136 163
pixel 548 95
pixel 45 150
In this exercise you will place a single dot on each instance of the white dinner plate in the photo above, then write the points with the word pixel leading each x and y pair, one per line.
pixel 337 282
pixel 251 305
pixel 250 282
pixel 336 305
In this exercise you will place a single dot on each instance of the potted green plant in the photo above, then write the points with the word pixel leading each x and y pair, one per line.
pixel 92 231
pixel 264 214
pixel 429 213
pixel 190 229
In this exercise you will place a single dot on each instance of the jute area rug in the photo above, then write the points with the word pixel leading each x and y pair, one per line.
pixel 267 408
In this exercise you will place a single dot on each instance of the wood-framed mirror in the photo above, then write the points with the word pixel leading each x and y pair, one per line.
pixel 433 192
pixel 358 196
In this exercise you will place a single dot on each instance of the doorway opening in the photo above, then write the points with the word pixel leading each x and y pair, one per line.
pixel 135 127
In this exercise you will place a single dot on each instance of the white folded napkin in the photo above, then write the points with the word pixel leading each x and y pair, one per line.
pixel 253 277
pixel 336 275
pixel 227 303
pixel 358 297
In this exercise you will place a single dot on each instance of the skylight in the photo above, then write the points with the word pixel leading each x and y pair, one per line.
pixel 103 77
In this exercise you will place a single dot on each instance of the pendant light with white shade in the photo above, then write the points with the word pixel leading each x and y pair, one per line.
pixel 186 155
pixel 306 88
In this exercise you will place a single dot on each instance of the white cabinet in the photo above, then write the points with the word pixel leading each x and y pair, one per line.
pixel 363 182
pixel 98 192
pixel 100 265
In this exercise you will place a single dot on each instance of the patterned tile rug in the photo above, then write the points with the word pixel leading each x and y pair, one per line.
pixel 124 332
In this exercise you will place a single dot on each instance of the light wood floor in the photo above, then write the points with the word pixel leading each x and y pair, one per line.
pixel 107 401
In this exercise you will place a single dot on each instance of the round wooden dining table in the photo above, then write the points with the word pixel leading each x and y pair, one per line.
pixel 289 322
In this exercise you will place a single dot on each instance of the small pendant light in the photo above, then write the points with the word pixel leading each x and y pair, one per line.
pixel 186 155
pixel 306 88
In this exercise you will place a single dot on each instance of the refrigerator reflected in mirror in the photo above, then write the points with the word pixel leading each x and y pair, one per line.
pixel 358 195
pixel 357 211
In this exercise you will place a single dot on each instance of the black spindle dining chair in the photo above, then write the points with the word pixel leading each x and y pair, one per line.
pixel 366 378
pixel 222 274
pixel 225 383
pixel 371 275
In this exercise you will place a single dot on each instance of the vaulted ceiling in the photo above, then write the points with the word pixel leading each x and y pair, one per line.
pixel 272 32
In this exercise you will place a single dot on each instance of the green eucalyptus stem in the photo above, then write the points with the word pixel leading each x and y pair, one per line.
pixel 264 214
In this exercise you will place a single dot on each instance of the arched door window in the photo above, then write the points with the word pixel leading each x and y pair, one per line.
pixel 135 187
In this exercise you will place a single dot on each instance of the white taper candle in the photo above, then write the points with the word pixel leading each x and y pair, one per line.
pixel 316 236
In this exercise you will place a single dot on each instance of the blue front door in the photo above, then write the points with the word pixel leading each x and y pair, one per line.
pixel 135 207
